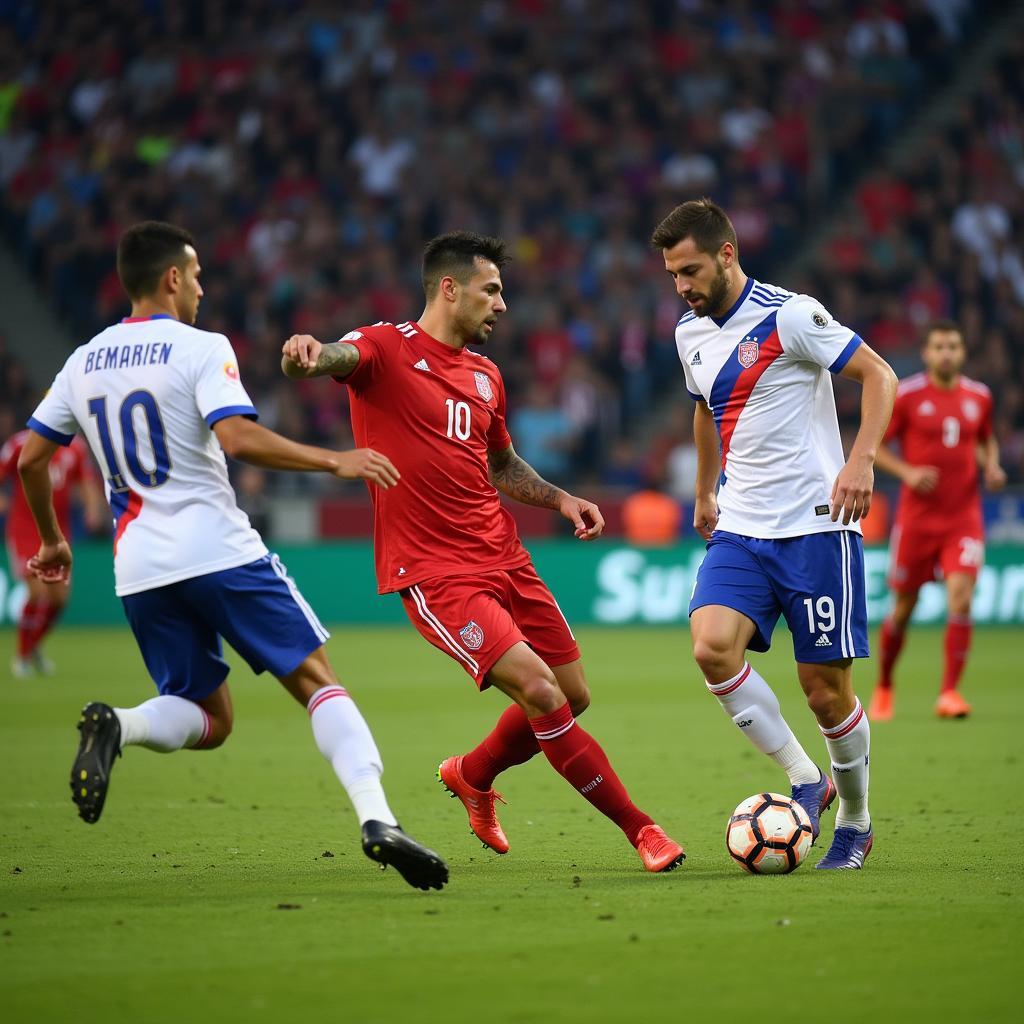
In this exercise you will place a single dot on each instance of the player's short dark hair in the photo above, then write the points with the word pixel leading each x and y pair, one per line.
pixel 700 219
pixel 941 324
pixel 454 255
pixel 145 251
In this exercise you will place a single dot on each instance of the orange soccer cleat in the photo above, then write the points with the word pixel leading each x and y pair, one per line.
pixel 880 709
pixel 951 705
pixel 657 851
pixel 479 804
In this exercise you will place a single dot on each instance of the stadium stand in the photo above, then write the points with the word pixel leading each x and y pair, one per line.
pixel 312 147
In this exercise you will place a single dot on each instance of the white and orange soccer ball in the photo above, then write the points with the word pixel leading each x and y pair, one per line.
pixel 768 834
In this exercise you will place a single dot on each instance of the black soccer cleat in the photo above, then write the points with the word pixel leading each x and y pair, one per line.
pixel 388 844
pixel 99 745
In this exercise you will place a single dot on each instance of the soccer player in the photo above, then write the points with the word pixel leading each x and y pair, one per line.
pixel 445 543
pixel 943 423
pixel 160 402
pixel 71 470
pixel 779 507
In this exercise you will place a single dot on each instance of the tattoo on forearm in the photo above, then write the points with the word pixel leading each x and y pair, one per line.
pixel 338 359
pixel 519 480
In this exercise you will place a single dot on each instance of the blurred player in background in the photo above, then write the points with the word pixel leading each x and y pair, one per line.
pixel 71 475
pixel 943 424
pixel 445 543
pixel 160 403
pixel 779 507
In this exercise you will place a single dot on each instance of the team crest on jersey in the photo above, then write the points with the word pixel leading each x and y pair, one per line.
pixel 483 386
pixel 231 371
pixel 926 408
pixel 971 410
pixel 471 633
pixel 747 354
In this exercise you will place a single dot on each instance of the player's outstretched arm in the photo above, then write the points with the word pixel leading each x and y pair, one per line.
pixel 303 356
pixel 518 479
pixel 249 442
pixel 851 493
pixel 705 440
pixel 53 561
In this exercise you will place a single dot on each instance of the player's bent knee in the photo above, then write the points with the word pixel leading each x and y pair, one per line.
pixel 538 695
pixel 714 656
pixel 579 702
pixel 826 703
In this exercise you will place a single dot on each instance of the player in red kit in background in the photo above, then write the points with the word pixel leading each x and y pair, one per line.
pixel 943 423
pixel 70 468
pixel 444 542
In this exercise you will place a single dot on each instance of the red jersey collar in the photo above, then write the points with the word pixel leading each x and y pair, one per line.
pixel 435 346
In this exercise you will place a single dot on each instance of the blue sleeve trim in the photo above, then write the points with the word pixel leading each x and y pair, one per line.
pixel 844 357
pixel 230 410
pixel 696 398
pixel 49 433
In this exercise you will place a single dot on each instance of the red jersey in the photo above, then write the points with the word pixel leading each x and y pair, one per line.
pixel 70 465
pixel 435 412
pixel 941 427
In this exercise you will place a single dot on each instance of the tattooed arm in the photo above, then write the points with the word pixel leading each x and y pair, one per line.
pixel 303 356
pixel 518 479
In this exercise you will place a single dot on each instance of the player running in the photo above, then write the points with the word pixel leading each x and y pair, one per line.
pixel 445 543
pixel 160 403
pixel 943 423
pixel 71 470
pixel 782 529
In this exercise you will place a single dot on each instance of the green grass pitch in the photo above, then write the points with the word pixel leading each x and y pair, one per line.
pixel 229 885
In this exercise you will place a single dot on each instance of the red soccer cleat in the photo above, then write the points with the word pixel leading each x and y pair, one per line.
pixel 880 709
pixel 478 803
pixel 657 851
pixel 951 705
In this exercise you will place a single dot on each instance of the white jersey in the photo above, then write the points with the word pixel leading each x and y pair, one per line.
pixel 763 370
pixel 146 393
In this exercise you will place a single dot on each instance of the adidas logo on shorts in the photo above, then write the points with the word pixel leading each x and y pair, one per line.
pixel 823 641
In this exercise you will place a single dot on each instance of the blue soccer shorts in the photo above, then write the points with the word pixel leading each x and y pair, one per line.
pixel 815 581
pixel 256 607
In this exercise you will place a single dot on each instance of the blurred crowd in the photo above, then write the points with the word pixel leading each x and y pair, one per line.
pixel 313 147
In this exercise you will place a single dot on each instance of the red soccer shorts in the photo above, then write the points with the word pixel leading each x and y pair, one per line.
pixel 476 619
pixel 917 557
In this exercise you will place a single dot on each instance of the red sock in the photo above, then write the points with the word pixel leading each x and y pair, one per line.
pixel 28 625
pixel 579 759
pixel 511 742
pixel 48 615
pixel 958 643
pixel 891 643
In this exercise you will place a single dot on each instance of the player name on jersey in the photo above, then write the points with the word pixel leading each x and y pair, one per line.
pixel 119 357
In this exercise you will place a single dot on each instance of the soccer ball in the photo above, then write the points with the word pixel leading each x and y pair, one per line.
pixel 768 834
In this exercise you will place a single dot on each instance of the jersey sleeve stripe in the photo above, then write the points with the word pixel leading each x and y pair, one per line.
pixel 976 386
pixel 847 354
pixel 230 410
pixel 49 433
pixel 696 398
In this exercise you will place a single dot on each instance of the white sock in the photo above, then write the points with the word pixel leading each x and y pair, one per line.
pixel 750 702
pixel 344 738
pixel 163 724
pixel 849 744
